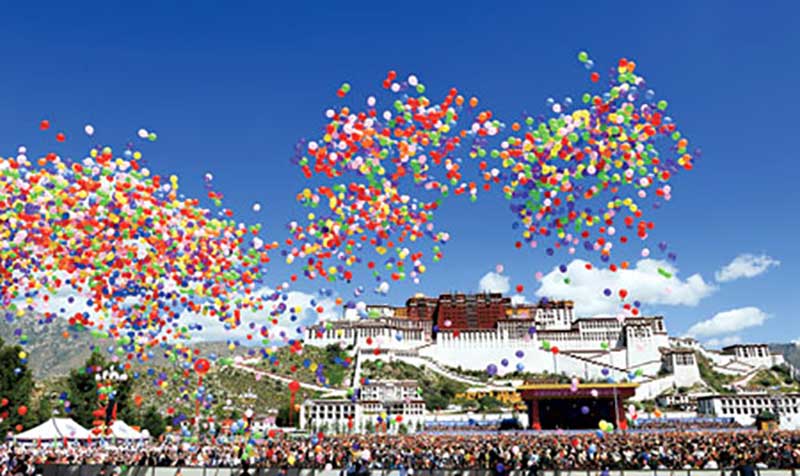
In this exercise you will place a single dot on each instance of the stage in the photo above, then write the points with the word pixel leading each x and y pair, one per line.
pixel 562 406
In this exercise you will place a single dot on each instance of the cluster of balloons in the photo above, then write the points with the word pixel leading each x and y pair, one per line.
pixel 106 236
pixel 106 230
pixel 116 250
pixel 606 426
pixel 582 176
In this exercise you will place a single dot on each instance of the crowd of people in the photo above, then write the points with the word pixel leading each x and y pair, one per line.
pixel 498 452
pixel 684 424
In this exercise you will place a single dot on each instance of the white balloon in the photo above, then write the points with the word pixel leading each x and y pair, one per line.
pixel 89 129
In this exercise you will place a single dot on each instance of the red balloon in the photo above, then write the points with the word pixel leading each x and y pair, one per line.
pixel 554 350
pixel 294 386
pixel 623 293
pixel 3 402
pixel 201 366
pixel 22 410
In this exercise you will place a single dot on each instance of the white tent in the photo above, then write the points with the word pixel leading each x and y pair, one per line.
pixel 123 431
pixel 55 429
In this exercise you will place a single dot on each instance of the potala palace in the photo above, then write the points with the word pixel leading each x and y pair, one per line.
pixel 454 333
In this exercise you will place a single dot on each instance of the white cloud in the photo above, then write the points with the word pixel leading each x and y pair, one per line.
pixel 492 282
pixel 518 299
pixel 728 322
pixel 745 266
pixel 644 283
pixel 723 342
pixel 214 330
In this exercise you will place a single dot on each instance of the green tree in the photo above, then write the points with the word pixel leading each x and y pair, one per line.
pixel 82 390
pixel 153 422
pixel 334 371
pixel 45 410
pixel 282 418
pixel 16 385
pixel 487 403
pixel 83 396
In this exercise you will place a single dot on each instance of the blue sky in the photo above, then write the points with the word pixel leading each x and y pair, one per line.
pixel 230 89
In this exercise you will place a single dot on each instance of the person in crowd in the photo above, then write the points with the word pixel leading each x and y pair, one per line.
pixel 745 451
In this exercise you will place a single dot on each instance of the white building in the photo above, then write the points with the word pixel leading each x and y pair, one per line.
pixel 587 347
pixel 744 407
pixel 682 401
pixel 757 355
pixel 681 362
pixel 741 359
pixel 381 332
pixel 539 338
pixel 373 405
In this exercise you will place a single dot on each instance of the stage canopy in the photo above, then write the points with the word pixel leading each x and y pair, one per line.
pixel 54 429
pixel 566 407
pixel 123 431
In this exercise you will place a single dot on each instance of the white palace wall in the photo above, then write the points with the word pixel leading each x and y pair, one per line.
pixel 637 350
pixel 476 350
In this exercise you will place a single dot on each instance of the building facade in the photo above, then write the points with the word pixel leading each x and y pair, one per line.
pixel 681 362
pixel 384 405
pixel 458 332
pixel 755 354
pixel 745 407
